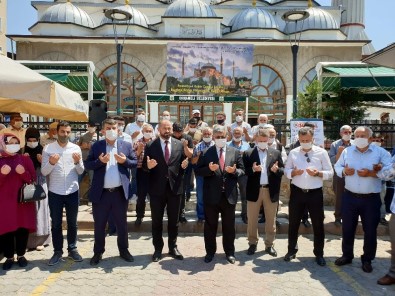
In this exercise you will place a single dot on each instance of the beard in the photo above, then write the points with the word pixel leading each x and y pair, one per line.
pixel 166 135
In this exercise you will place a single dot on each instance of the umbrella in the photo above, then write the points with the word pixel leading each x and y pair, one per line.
pixel 384 57
pixel 26 91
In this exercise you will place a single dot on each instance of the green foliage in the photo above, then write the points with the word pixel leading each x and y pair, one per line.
pixel 307 102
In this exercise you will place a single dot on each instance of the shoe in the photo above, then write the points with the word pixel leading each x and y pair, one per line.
pixel 157 256
pixel 112 233
pixel 383 222
pixel 367 266
pixel 176 254
pixel 386 280
pixel 138 221
pixel 183 220
pixel 262 220
pixel 343 261
pixel 97 257
pixel 251 250
pixel 126 255
pixel 244 218
pixel 208 258
pixel 338 222
pixel 231 259
pixel 8 264
pixel 75 256
pixel 320 261
pixel 271 251
pixel 306 223
pixel 57 256
pixel 289 256
pixel 22 262
pixel 200 221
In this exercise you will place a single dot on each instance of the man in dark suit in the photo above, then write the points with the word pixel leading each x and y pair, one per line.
pixel 110 159
pixel 220 166
pixel 264 168
pixel 165 162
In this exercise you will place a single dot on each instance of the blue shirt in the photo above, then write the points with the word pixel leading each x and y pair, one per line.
pixel 362 160
pixel 243 147
pixel 112 178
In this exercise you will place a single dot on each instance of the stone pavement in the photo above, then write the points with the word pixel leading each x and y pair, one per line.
pixel 260 274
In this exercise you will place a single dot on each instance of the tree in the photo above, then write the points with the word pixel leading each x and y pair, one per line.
pixel 307 102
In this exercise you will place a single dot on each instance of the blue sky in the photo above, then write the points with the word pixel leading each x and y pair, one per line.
pixel 379 19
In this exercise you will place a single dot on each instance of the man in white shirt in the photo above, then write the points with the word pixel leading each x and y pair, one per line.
pixel 62 163
pixel 240 123
pixel 134 129
pixel 262 122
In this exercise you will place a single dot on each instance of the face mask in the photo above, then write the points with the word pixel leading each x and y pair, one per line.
pixel 12 148
pixel 306 146
pixel 262 124
pixel 208 139
pixel 346 138
pixel 220 121
pixel 111 135
pixel 239 118
pixel 198 118
pixel 18 124
pixel 32 144
pixel 236 139
pixel 141 118
pixel 361 142
pixel 220 143
pixel 271 140
pixel 63 139
pixel 376 144
pixel 91 129
pixel 192 129
pixel 147 135
pixel 262 145
pixel 166 117
pixel 120 128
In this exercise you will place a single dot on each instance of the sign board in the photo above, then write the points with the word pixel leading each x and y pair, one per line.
pixel 318 130
pixel 200 99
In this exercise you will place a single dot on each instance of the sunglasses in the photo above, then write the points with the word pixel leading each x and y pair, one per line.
pixel 307 158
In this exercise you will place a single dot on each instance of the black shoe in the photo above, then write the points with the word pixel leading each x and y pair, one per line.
pixel 338 222
pixel 126 255
pixel 306 223
pixel 138 221
pixel 244 218
pixel 251 250
pixel 183 220
pixel 8 264
pixel 96 259
pixel 176 254
pixel 75 256
pixel 208 258
pixel 289 256
pixel 342 261
pixel 271 251
pixel 22 262
pixel 383 222
pixel 231 259
pixel 367 266
pixel 262 220
pixel 320 261
pixel 156 256
pixel 112 233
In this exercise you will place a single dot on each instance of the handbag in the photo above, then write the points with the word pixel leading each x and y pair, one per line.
pixel 31 193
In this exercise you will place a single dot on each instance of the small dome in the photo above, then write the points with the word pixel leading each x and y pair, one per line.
pixel 138 18
pixel 189 8
pixel 319 19
pixel 67 13
pixel 208 66
pixel 253 17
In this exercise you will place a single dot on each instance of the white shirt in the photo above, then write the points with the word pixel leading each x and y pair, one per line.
pixel 319 160
pixel 283 152
pixel 112 178
pixel 242 125
pixel 163 144
pixel 262 158
pixel 134 127
pixel 63 176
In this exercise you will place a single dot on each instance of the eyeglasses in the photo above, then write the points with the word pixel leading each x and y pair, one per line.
pixel 307 158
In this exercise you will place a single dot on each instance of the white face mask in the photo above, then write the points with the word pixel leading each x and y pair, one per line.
pixel 91 129
pixel 376 144
pixel 12 148
pixel 271 140
pixel 237 140
pixel 18 124
pixel 192 129
pixel 147 135
pixel 32 144
pixel 239 118
pixel 306 146
pixel 208 139
pixel 262 124
pixel 121 128
pixel 111 135
pixel 220 143
pixel 346 138
pixel 361 142
pixel 141 118
pixel 166 117
pixel 262 145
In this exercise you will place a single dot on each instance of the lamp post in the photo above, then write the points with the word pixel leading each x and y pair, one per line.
pixel 119 15
pixel 295 16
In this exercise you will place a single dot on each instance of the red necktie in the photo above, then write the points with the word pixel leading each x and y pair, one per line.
pixel 221 159
pixel 167 152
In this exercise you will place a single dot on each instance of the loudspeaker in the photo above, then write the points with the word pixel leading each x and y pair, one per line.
pixel 97 111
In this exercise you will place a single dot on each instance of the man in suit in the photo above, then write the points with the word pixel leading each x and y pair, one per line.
pixel 264 168
pixel 110 159
pixel 165 162
pixel 221 166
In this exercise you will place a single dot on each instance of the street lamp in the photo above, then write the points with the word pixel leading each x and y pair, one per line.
pixel 119 15
pixel 295 16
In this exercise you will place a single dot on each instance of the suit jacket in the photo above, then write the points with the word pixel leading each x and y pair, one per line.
pixel 163 172
pixel 214 181
pixel 253 184
pixel 93 162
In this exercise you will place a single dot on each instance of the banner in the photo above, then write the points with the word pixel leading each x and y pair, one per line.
pixel 209 69
pixel 200 99
pixel 318 130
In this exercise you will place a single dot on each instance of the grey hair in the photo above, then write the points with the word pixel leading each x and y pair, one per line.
pixel 345 127
pixel 262 132
pixel 146 125
pixel 219 129
pixel 366 128
pixel 263 115
pixel 305 131
pixel 207 129
pixel 237 128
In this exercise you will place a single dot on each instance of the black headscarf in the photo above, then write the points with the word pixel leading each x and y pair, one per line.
pixel 32 132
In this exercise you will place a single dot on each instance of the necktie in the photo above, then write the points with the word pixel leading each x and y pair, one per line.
pixel 167 151
pixel 221 159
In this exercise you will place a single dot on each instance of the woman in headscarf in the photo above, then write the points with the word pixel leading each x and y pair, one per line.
pixel 16 219
pixel 42 237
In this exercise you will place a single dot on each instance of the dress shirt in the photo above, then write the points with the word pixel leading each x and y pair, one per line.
pixel 319 160
pixel 163 144
pixel 134 127
pixel 112 177
pixel 242 147
pixel 362 160
pixel 262 158
pixel 63 176
pixel 201 147
pixel 283 152
pixel 388 174
pixel 242 125
pixel 335 147
pixel 223 152
pixel 125 137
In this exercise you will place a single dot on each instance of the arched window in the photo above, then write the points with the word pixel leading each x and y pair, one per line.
pixel 307 79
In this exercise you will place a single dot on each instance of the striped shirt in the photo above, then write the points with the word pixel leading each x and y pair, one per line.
pixel 141 156
pixel 202 146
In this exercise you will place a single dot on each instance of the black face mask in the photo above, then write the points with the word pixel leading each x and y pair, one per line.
pixel 197 118
pixel 220 121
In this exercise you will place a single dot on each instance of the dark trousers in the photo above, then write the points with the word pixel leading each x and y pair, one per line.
pixel 15 242
pixel 158 204
pixel 314 202
pixel 369 210
pixel 133 182
pixel 116 204
pixel 211 213
pixel 338 188
pixel 56 203
pixel 142 191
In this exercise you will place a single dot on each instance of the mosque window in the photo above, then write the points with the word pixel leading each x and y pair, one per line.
pixel 307 79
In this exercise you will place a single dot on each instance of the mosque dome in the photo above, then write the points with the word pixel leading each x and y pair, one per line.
pixel 189 8
pixel 138 18
pixel 319 19
pixel 67 13
pixel 253 17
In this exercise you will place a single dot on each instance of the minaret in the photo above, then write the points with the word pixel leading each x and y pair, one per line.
pixel 233 70
pixel 183 67
pixel 353 22
pixel 222 64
